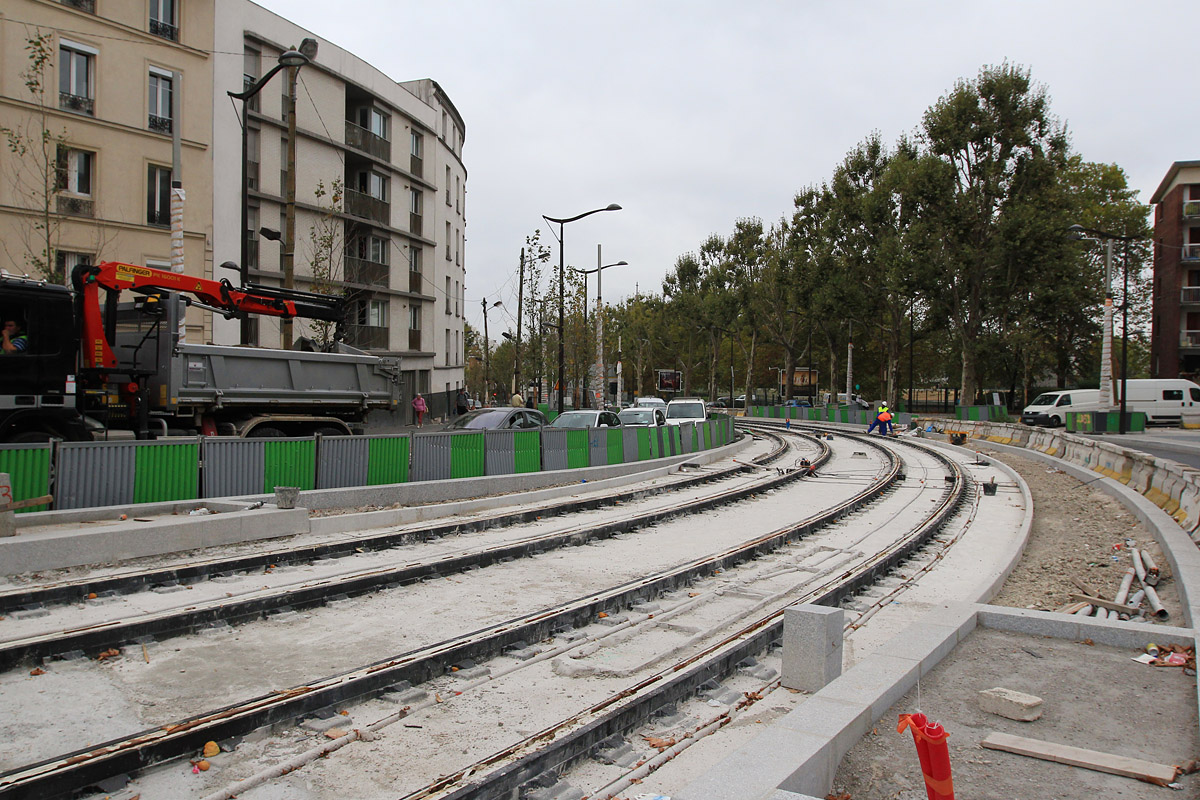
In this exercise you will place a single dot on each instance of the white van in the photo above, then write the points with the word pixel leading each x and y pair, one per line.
pixel 1051 408
pixel 1163 400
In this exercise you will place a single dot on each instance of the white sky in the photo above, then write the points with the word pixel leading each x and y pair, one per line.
pixel 692 114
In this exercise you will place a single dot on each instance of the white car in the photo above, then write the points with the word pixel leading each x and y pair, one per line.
pixel 643 417
pixel 650 402
pixel 686 409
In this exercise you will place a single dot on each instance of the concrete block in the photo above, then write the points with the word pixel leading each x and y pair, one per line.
pixel 878 679
pixel 318 725
pixel 923 643
pixel 1131 635
pixel 812 646
pixel 1035 623
pixel 840 721
pixel 776 759
pixel 1011 704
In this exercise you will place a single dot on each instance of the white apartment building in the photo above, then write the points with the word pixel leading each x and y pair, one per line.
pixel 396 149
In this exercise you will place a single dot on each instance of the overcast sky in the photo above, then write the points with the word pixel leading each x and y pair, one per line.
pixel 693 114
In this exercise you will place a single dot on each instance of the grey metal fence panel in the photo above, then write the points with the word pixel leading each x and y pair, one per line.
pixel 629 444
pixel 554 448
pixel 93 474
pixel 430 457
pixel 687 432
pixel 232 466
pixel 597 447
pixel 499 452
pixel 342 461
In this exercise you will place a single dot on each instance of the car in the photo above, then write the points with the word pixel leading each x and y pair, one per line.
pixel 645 417
pixel 489 419
pixel 586 418
pixel 686 409
pixel 650 402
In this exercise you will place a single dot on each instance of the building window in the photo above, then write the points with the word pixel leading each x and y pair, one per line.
pixel 448 347
pixel 416 153
pixel 76 81
pixel 374 121
pixel 458 247
pixel 161 97
pixel 447 241
pixel 447 185
pixel 458 194
pixel 447 295
pixel 414 317
pixel 377 316
pixel 65 262
pixel 373 184
pixel 373 248
pixel 457 350
pixel 158 196
pixel 414 260
pixel 445 125
pixel 251 60
pixel 163 19
pixel 457 312
pixel 74 171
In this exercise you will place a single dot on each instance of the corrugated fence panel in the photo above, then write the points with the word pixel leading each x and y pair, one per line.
pixel 28 468
pixel 387 460
pixel 554 448
pixel 616 446
pixel 629 438
pixel 499 452
pixel 707 432
pixel 597 447
pixel 430 456
pixel 232 466
pixel 289 462
pixel 687 434
pixel 94 474
pixel 644 437
pixel 466 455
pixel 578 448
pixel 166 470
pixel 342 461
pixel 656 439
pixel 527 455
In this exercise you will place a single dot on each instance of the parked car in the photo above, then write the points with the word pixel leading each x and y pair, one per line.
pixel 586 418
pixel 489 419
pixel 650 402
pixel 686 409
pixel 643 417
pixel 1051 408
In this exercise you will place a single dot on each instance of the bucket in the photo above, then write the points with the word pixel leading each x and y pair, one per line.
pixel 988 488
pixel 285 496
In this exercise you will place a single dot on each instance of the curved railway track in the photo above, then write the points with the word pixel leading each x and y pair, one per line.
pixel 550 748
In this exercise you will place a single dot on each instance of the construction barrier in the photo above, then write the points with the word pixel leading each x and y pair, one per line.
pixel 28 467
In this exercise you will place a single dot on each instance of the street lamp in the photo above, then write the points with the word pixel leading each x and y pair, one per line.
pixel 561 270
pixel 291 60
pixel 1106 346
pixel 487 375
pixel 600 372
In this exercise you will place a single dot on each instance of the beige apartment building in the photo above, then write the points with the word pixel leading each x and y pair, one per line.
pixel 108 95
pixel 119 77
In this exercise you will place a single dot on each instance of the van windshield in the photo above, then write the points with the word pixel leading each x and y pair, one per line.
pixel 1045 400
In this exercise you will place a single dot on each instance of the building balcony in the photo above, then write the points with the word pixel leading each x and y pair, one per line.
pixel 367 337
pixel 75 206
pixel 77 103
pixel 360 138
pixel 1191 252
pixel 1189 339
pixel 164 29
pixel 368 273
pixel 364 206
pixel 416 165
pixel 415 284
pixel 252 175
pixel 159 124
pixel 1190 294
pixel 1191 209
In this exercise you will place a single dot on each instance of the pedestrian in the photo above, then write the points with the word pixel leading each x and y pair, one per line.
pixel 517 401
pixel 419 407
pixel 530 403
pixel 461 404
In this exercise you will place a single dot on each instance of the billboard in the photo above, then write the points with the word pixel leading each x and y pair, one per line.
pixel 804 377
pixel 669 380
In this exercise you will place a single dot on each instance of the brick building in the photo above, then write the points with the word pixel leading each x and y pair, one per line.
pixel 1175 331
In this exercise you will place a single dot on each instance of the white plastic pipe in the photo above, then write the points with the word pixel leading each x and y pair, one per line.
pixel 1123 591
pixel 1156 605
pixel 1151 570
pixel 1139 567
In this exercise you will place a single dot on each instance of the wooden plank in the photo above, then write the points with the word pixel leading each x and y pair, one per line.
pixel 1148 771
pixel 1109 604
pixel 30 503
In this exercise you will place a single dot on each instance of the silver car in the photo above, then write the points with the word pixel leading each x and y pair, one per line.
pixel 586 418
pixel 645 416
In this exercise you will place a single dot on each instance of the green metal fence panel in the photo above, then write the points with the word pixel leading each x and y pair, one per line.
pixel 527 456
pixel 578 449
pixel 708 435
pixel 616 446
pixel 289 462
pixel 387 460
pixel 644 439
pixel 466 455
pixel 166 471
pixel 28 468
pixel 656 439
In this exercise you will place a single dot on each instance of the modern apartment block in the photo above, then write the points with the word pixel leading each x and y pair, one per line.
pixel 1175 330
pixel 106 83
pixel 380 182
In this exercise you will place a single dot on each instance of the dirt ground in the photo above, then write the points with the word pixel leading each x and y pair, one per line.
pixel 1090 692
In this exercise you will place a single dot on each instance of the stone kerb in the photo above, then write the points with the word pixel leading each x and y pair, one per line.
pixel 1189 501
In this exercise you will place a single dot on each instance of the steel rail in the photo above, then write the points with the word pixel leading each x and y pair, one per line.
pixel 69 772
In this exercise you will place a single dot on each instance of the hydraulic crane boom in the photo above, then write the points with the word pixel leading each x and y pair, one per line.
pixel 219 296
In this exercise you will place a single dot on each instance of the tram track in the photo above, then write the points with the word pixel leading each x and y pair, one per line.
pixel 66 773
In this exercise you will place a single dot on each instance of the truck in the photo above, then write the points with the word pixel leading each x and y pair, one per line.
pixel 98 366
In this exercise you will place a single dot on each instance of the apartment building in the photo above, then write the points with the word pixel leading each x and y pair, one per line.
pixel 380 185
pixel 1175 330
pixel 106 83
pixel 392 239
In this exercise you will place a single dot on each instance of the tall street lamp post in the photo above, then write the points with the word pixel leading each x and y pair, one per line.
pixel 292 60
pixel 561 282
pixel 1081 232
pixel 487 375
pixel 599 272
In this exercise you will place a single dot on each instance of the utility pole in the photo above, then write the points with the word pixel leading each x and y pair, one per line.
pixel 289 225
pixel 517 344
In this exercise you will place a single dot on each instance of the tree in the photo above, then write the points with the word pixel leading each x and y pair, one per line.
pixel 326 248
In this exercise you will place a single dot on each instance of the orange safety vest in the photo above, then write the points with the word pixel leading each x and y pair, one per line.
pixel 885 416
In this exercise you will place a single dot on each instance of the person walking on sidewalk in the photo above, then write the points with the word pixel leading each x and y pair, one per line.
pixel 419 407
pixel 461 403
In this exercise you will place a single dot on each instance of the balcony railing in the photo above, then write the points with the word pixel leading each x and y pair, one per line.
pixel 414 340
pixel 160 124
pixel 1191 209
pixel 416 165
pixel 414 223
pixel 164 29
pixel 367 337
pixel 1191 294
pixel 1191 252
pixel 363 205
pixel 362 139
pixel 1189 339
pixel 74 102
pixel 414 282
pixel 75 206
pixel 369 273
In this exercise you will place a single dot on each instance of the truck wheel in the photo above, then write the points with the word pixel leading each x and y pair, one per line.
pixel 266 432
pixel 328 430
pixel 30 437
pixel 1055 422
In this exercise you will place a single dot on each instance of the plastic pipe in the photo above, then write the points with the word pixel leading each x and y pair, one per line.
pixel 1138 566
pixel 1123 591
pixel 1156 605
pixel 1151 570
